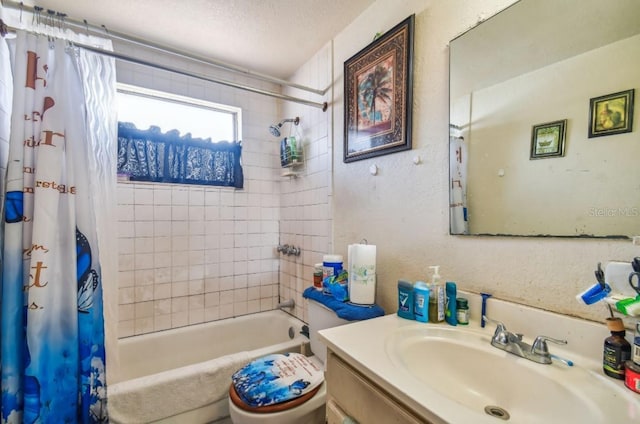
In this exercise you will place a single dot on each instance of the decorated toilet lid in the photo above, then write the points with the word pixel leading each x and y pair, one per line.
pixel 277 378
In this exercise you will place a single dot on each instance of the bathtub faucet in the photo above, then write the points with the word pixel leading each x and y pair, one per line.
pixel 289 250
pixel 287 304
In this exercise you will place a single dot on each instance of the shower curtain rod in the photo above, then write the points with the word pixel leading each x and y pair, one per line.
pixel 114 35
pixel 125 58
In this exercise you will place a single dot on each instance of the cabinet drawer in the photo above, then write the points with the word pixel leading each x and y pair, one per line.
pixel 360 399
pixel 335 414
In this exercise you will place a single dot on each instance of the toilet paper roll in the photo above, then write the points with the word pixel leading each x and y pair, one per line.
pixel 362 273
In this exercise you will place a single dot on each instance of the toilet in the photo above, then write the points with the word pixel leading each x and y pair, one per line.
pixel 308 409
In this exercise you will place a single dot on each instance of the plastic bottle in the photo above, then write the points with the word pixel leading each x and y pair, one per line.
pixel 462 311
pixel 293 148
pixel 636 345
pixel 451 314
pixel 617 349
pixel 421 301
pixel 285 152
pixel 405 300
pixel 331 265
pixel 317 276
pixel 436 297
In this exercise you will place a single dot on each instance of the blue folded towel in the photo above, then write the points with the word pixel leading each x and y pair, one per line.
pixel 344 310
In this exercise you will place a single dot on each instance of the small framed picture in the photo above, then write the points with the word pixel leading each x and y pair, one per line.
pixel 611 114
pixel 547 140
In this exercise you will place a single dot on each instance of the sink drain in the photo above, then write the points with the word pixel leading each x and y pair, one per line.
pixel 496 411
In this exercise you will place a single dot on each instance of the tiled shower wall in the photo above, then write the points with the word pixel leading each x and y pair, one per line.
pixel 305 219
pixel 190 254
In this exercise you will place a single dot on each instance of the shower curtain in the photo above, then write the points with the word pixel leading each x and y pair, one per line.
pixel 59 187
pixel 458 217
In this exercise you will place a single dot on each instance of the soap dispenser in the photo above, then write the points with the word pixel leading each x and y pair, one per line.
pixel 436 297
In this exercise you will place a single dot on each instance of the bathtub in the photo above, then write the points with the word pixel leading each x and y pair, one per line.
pixel 183 375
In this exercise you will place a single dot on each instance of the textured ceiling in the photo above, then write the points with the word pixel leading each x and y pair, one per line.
pixel 274 37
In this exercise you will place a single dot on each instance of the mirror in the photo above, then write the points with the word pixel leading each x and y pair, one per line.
pixel 514 79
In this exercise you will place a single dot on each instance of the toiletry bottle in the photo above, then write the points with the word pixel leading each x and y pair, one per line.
pixel 405 300
pixel 317 276
pixel 436 297
pixel 293 148
pixel 285 154
pixel 421 301
pixel 463 311
pixel 451 314
pixel 331 265
pixel 617 349
pixel 636 345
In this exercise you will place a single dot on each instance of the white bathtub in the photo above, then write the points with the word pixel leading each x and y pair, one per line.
pixel 183 375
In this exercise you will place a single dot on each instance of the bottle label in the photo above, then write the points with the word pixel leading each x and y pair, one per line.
pixel 441 303
pixel 613 360
pixel 403 299
pixel 463 316
pixel 419 304
pixel 636 351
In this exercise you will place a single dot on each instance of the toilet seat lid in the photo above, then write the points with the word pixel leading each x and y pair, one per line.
pixel 278 407
pixel 276 378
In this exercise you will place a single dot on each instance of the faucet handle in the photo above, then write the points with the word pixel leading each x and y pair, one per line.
pixel 501 334
pixel 499 325
pixel 540 344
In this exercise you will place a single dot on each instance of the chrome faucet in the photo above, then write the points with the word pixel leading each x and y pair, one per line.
pixel 512 343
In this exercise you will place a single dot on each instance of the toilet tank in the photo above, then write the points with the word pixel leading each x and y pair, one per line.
pixel 321 317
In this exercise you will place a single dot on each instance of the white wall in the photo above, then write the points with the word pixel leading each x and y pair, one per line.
pixel 404 209
pixel 557 195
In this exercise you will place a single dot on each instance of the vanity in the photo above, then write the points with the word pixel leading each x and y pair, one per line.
pixel 394 370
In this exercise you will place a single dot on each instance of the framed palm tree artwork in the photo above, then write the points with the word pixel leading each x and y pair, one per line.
pixel 378 83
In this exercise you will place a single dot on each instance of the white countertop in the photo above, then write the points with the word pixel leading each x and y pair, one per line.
pixel 365 346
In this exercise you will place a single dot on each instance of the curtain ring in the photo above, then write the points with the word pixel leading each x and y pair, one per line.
pixel 36 15
pixel 61 23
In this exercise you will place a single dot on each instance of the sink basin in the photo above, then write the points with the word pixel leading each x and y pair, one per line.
pixel 462 366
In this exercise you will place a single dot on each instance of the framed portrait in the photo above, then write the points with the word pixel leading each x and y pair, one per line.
pixel 378 83
pixel 547 140
pixel 611 114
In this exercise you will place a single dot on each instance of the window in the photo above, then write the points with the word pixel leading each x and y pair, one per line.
pixel 175 139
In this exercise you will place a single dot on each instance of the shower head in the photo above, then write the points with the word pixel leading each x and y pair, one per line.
pixel 275 128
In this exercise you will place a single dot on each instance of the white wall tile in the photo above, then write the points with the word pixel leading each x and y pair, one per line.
pixel 126 279
pixel 161 322
pixel 161 195
pixel 162 213
pixel 179 196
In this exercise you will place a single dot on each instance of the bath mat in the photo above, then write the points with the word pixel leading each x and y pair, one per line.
pixel 276 378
